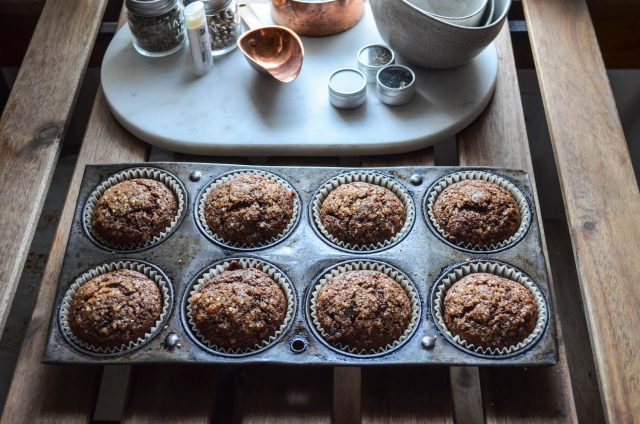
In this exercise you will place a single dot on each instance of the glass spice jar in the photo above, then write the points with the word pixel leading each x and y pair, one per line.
pixel 224 25
pixel 157 26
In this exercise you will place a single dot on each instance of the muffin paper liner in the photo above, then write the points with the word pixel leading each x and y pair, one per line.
pixel 444 182
pixel 501 270
pixel 149 271
pixel 129 174
pixel 274 273
pixel 388 270
pixel 371 178
pixel 229 177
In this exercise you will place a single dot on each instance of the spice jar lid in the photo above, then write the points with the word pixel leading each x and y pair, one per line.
pixel 372 58
pixel 211 6
pixel 396 85
pixel 347 88
pixel 150 7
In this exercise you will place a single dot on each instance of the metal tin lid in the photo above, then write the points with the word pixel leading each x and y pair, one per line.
pixel 372 58
pixel 150 7
pixel 347 88
pixel 211 6
pixel 396 85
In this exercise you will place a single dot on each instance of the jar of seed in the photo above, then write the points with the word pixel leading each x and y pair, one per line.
pixel 224 25
pixel 157 26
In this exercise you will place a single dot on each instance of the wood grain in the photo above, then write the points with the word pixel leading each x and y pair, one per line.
pixel 174 393
pixel 43 96
pixel 44 393
pixel 499 138
pixel 599 190
pixel 405 394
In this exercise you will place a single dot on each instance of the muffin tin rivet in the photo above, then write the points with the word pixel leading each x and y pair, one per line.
pixel 195 176
pixel 415 180
pixel 298 345
pixel 172 340
pixel 428 342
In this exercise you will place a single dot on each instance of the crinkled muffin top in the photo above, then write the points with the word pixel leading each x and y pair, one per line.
pixel 134 212
pixel 239 309
pixel 115 308
pixel 490 311
pixel 363 309
pixel 249 209
pixel 362 214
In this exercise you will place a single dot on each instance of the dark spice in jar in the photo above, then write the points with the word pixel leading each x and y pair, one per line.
pixel 223 28
pixel 157 34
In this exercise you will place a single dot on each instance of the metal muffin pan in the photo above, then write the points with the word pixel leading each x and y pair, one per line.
pixel 304 256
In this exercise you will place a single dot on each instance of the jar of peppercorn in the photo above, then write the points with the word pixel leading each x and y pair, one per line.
pixel 157 26
pixel 224 25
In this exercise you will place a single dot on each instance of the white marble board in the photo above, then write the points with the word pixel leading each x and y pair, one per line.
pixel 235 111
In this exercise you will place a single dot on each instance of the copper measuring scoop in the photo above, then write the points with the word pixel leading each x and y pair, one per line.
pixel 272 50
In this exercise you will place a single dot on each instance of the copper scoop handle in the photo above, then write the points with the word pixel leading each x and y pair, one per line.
pixel 249 16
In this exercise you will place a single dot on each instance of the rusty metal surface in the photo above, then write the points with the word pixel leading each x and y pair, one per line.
pixel 303 256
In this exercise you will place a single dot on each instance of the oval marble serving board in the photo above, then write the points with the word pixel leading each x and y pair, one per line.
pixel 235 111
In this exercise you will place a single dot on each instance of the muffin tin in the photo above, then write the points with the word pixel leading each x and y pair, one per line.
pixel 304 256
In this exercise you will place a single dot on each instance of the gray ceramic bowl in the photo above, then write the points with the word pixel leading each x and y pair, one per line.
pixel 430 42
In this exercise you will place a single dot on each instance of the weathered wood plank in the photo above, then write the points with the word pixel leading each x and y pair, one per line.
pixel 599 190
pixel 33 123
pixel 404 394
pixel 174 393
pixel 499 138
pixel 44 393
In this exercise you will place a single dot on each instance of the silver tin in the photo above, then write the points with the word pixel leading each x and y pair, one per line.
pixel 372 58
pixel 150 8
pixel 347 88
pixel 396 85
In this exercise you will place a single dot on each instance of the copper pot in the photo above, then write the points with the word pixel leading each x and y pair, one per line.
pixel 317 17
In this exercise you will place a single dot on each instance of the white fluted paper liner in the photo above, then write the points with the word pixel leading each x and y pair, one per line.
pixel 371 178
pixel 231 176
pixel 129 174
pixel 142 268
pixel 273 273
pixel 501 270
pixel 447 180
pixel 388 270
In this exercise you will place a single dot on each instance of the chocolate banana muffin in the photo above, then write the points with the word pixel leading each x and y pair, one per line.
pixel 239 309
pixel 115 308
pixel 477 212
pixel 490 311
pixel 362 214
pixel 250 209
pixel 134 212
pixel 366 310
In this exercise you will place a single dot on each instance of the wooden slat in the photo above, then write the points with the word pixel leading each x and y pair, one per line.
pixel 499 138
pixel 286 395
pixel 586 393
pixel 599 190
pixel 43 96
pixel 404 394
pixel 171 394
pixel 58 393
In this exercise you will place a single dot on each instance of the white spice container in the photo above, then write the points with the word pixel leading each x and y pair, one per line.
pixel 347 88
pixel 199 41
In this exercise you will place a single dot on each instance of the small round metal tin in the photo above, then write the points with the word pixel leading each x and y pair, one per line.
pixel 347 88
pixel 372 58
pixel 396 85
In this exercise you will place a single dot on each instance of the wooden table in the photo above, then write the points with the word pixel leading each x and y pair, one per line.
pixel 601 198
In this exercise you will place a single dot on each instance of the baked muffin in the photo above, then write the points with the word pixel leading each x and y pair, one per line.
pixel 477 212
pixel 239 309
pixel 249 209
pixel 134 212
pixel 366 310
pixel 115 308
pixel 490 311
pixel 362 214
